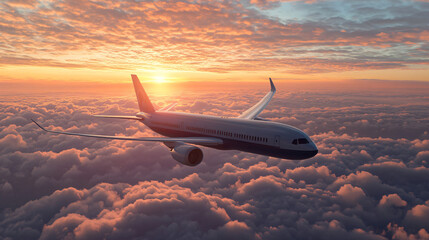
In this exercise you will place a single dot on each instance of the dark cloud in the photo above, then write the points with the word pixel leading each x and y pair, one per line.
pixel 369 180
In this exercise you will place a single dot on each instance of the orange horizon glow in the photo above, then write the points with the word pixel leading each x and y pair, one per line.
pixel 46 74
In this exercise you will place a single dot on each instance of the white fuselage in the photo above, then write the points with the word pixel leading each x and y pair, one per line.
pixel 255 136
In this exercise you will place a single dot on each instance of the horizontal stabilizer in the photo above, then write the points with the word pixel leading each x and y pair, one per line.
pixel 168 107
pixel 262 119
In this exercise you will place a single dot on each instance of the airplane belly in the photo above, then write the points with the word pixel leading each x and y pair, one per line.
pixel 267 150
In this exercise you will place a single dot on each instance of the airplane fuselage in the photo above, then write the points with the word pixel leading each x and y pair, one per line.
pixel 255 136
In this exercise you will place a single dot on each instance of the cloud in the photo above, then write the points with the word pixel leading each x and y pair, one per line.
pixel 392 200
pixel 12 141
pixel 150 209
pixel 400 234
pixel 350 194
pixel 364 183
pixel 215 36
pixel 417 217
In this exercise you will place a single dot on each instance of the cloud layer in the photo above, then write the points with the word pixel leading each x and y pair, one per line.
pixel 369 181
pixel 216 36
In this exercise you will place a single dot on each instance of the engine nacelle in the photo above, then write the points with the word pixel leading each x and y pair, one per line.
pixel 187 154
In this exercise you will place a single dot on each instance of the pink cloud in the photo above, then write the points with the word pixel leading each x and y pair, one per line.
pixel 392 200
pixel 12 141
pixel 351 194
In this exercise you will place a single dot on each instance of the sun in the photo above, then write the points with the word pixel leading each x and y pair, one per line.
pixel 159 79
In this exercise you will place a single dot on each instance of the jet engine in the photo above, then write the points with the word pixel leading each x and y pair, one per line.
pixel 187 154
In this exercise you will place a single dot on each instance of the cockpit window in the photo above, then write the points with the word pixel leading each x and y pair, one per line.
pixel 300 141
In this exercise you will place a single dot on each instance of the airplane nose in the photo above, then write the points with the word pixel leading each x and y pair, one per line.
pixel 314 152
pixel 308 154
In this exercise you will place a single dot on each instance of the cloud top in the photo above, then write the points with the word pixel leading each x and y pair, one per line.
pixel 369 180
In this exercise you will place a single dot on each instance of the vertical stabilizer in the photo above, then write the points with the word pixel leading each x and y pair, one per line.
pixel 144 103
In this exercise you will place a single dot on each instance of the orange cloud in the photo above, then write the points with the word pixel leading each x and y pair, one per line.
pixel 206 36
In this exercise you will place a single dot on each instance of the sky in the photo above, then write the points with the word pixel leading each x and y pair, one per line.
pixel 351 74
pixel 246 40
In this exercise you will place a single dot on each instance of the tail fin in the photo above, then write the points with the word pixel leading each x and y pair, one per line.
pixel 144 103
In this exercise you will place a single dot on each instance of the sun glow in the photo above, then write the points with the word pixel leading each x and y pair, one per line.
pixel 159 79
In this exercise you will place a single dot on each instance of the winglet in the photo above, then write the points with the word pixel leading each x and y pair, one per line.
pixel 39 125
pixel 273 88
pixel 144 103
pixel 254 111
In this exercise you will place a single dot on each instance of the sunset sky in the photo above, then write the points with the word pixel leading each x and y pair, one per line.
pixel 74 40
pixel 352 74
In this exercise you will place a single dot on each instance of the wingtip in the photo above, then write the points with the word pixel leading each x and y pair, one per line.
pixel 273 88
pixel 38 125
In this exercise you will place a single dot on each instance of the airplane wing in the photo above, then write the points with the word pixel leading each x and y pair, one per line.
pixel 193 140
pixel 118 117
pixel 254 111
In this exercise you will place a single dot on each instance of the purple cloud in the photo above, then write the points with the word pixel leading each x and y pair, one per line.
pixel 363 185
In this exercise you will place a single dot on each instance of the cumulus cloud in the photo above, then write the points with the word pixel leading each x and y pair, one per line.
pixel 350 194
pixel 149 209
pixel 418 217
pixel 392 200
pixel 364 183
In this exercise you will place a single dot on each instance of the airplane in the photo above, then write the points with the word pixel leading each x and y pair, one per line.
pixel 247 132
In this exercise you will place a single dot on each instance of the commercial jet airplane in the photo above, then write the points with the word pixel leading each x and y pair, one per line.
pixel 247 132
